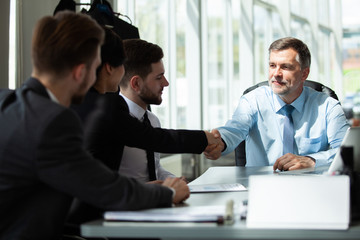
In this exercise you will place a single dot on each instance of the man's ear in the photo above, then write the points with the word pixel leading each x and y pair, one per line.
pixel 135 83
pixel 108 68
pixel 79 72
pixel 305 73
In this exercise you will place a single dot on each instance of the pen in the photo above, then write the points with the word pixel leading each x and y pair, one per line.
pixel 229 213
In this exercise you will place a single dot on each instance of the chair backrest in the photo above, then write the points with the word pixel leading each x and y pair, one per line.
pixel 240 154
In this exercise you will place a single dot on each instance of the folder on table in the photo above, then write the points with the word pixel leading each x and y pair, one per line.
pixel 299 202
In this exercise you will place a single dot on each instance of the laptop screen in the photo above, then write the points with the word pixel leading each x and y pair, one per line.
pixel 351 139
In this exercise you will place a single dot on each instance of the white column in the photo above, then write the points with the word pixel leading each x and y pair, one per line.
pixel 29 12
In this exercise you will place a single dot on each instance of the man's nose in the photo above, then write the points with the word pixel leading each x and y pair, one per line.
pixel 165 81
pixel 277 71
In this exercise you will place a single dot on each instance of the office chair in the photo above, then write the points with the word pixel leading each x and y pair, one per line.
pixel 240 154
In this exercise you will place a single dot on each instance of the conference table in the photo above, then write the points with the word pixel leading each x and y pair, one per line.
pixel 212 201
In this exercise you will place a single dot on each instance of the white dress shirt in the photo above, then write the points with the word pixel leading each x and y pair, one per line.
pixel 134 161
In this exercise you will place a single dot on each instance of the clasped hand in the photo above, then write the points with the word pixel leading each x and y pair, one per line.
pixel 215 145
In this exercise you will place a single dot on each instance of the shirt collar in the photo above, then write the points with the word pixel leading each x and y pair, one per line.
pixel 52 96
pixel 298 104
pixel 135 110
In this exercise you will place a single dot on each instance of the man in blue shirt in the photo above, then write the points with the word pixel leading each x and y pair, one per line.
pixel 318 123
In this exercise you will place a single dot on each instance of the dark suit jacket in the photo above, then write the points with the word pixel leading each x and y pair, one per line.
pixel 110 126
pixel 43 165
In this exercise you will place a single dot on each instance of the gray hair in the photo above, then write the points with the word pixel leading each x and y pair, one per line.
pixel 303 53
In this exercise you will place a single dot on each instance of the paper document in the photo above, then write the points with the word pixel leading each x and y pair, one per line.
pixel 188 214
pixel 226 187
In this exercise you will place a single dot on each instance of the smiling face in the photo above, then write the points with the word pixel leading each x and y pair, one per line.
pixel 152 86
pixel 286 78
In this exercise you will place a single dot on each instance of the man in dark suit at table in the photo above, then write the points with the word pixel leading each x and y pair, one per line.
pixel 42 156
pixel 142 85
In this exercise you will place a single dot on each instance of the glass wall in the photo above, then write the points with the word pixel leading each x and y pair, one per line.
pixel 351 57
pixel 215 67
pixel 155 28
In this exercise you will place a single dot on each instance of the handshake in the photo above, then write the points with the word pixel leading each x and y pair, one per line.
pixel 215 145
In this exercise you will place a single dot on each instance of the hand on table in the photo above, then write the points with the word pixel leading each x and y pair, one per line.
pixel 291 161
pixel 182 191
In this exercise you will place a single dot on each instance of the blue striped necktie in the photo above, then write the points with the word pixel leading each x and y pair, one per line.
pixel 288 134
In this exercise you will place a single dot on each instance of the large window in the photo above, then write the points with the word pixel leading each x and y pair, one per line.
pixel 154 28
pixel 260 30
pixel 215 69
pixel 267 28
pixel 12 45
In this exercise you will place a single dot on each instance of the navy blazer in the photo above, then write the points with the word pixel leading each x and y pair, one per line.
pixel 43 165
pixel 109 127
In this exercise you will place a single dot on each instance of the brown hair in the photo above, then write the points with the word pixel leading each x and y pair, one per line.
pixel 61 42
pixel 304 56
pixel 140 54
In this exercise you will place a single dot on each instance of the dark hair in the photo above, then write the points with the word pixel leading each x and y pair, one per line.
pixel 140 54
pixel 61 42
pixel 112 51
pixel 297 45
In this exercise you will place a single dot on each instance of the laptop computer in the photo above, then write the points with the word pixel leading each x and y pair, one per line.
pixel 351 139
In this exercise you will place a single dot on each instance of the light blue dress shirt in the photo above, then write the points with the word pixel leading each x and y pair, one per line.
pixel 319 124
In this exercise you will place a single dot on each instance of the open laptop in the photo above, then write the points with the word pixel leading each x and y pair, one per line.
pixel 351 139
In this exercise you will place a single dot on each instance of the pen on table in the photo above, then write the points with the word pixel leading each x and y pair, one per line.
pixel 229 213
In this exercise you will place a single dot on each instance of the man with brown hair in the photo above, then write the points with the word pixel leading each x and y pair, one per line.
pixel 42 156
pixel 141 86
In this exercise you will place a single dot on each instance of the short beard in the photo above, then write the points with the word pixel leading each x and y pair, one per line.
pixel 147 97
pixel 150 100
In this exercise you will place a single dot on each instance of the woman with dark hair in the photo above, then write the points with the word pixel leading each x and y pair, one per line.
pixel 108 74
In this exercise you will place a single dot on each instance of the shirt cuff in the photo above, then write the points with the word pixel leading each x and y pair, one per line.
pixel 225 146
pixel 174 192
pixel 311 159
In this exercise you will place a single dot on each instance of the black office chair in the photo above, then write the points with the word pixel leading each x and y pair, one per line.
pixel 240 154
